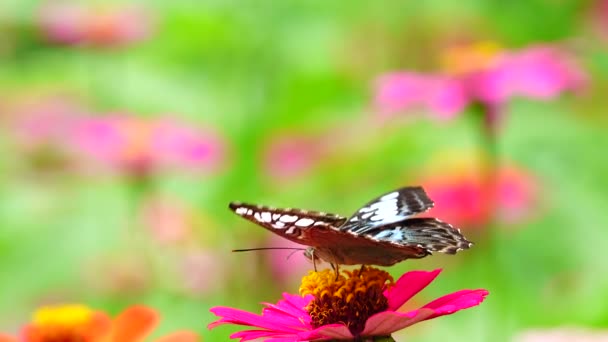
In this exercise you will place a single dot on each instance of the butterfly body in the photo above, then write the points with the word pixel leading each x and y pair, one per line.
pixel 383 232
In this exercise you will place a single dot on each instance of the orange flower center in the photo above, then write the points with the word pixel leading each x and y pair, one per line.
pixel 68 323
pixel 470 58
pixel 350 298
pixel 138 137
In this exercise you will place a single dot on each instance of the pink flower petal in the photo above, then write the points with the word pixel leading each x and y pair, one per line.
pixel 456 301
pixel 250 335
pixel 287 316
pixel 236 316
pixel 541 72
pixel 449 98
pixel 401 91
pixel 293 305
pixel 338 331
pixel 387 322
pixel 407 286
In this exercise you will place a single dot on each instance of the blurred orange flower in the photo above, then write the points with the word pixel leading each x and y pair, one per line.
pixel 69 24
pixel 78 323
pixel 460 196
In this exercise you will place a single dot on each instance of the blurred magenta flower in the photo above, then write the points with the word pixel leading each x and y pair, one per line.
pixel 353 305
pixel 562 334
pixel 460 195
pixel 71 23
pixel 80 323
pixel 139 147
pixel 480 74
pixel 289 156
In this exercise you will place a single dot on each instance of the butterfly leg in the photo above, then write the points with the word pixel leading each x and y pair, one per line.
pixel 336 269
pixel 361 270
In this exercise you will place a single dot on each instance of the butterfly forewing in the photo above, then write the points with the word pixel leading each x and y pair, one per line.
pixel 289 223
pixel 389 208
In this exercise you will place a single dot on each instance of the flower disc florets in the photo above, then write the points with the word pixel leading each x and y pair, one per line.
pixel 349 298
pixel 66 323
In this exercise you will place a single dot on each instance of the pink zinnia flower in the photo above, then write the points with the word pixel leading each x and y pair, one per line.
pixel 353 305
pixel 138 146
pixel 481 75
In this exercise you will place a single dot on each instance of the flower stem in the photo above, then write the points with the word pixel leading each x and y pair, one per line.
pixel 492 120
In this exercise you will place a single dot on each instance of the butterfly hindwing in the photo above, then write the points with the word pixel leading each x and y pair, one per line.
pixel 429 233
pixel 389 208
pixel 289 223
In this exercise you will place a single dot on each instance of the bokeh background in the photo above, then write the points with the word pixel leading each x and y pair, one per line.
pixel 127 127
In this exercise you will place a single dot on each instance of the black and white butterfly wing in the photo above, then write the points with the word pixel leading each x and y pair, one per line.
pixel 431 234
pixel 389 208
pixel 293 224
pixel 382 232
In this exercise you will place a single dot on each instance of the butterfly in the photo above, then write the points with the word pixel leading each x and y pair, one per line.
pixel 383 232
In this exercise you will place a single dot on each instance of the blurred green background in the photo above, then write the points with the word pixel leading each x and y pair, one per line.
pixel 300 73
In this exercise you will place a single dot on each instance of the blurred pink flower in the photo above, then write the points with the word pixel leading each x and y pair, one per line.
pixel 71 23
pixel 488 77
pixel 194 269
pixel 289 156
pixel 126 274
pixel 398 91
pixel 167 219
pixel 460 196
pixel 563 334
pixel 140 146
pixel 323 312
pixel 63 23
pixel 39 129
pixel 43 121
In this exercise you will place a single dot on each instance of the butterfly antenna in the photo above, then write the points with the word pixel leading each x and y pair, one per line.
pixel 292 253
pixel 267 248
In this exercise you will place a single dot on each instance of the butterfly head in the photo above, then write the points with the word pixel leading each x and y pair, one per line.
pixel 309 253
